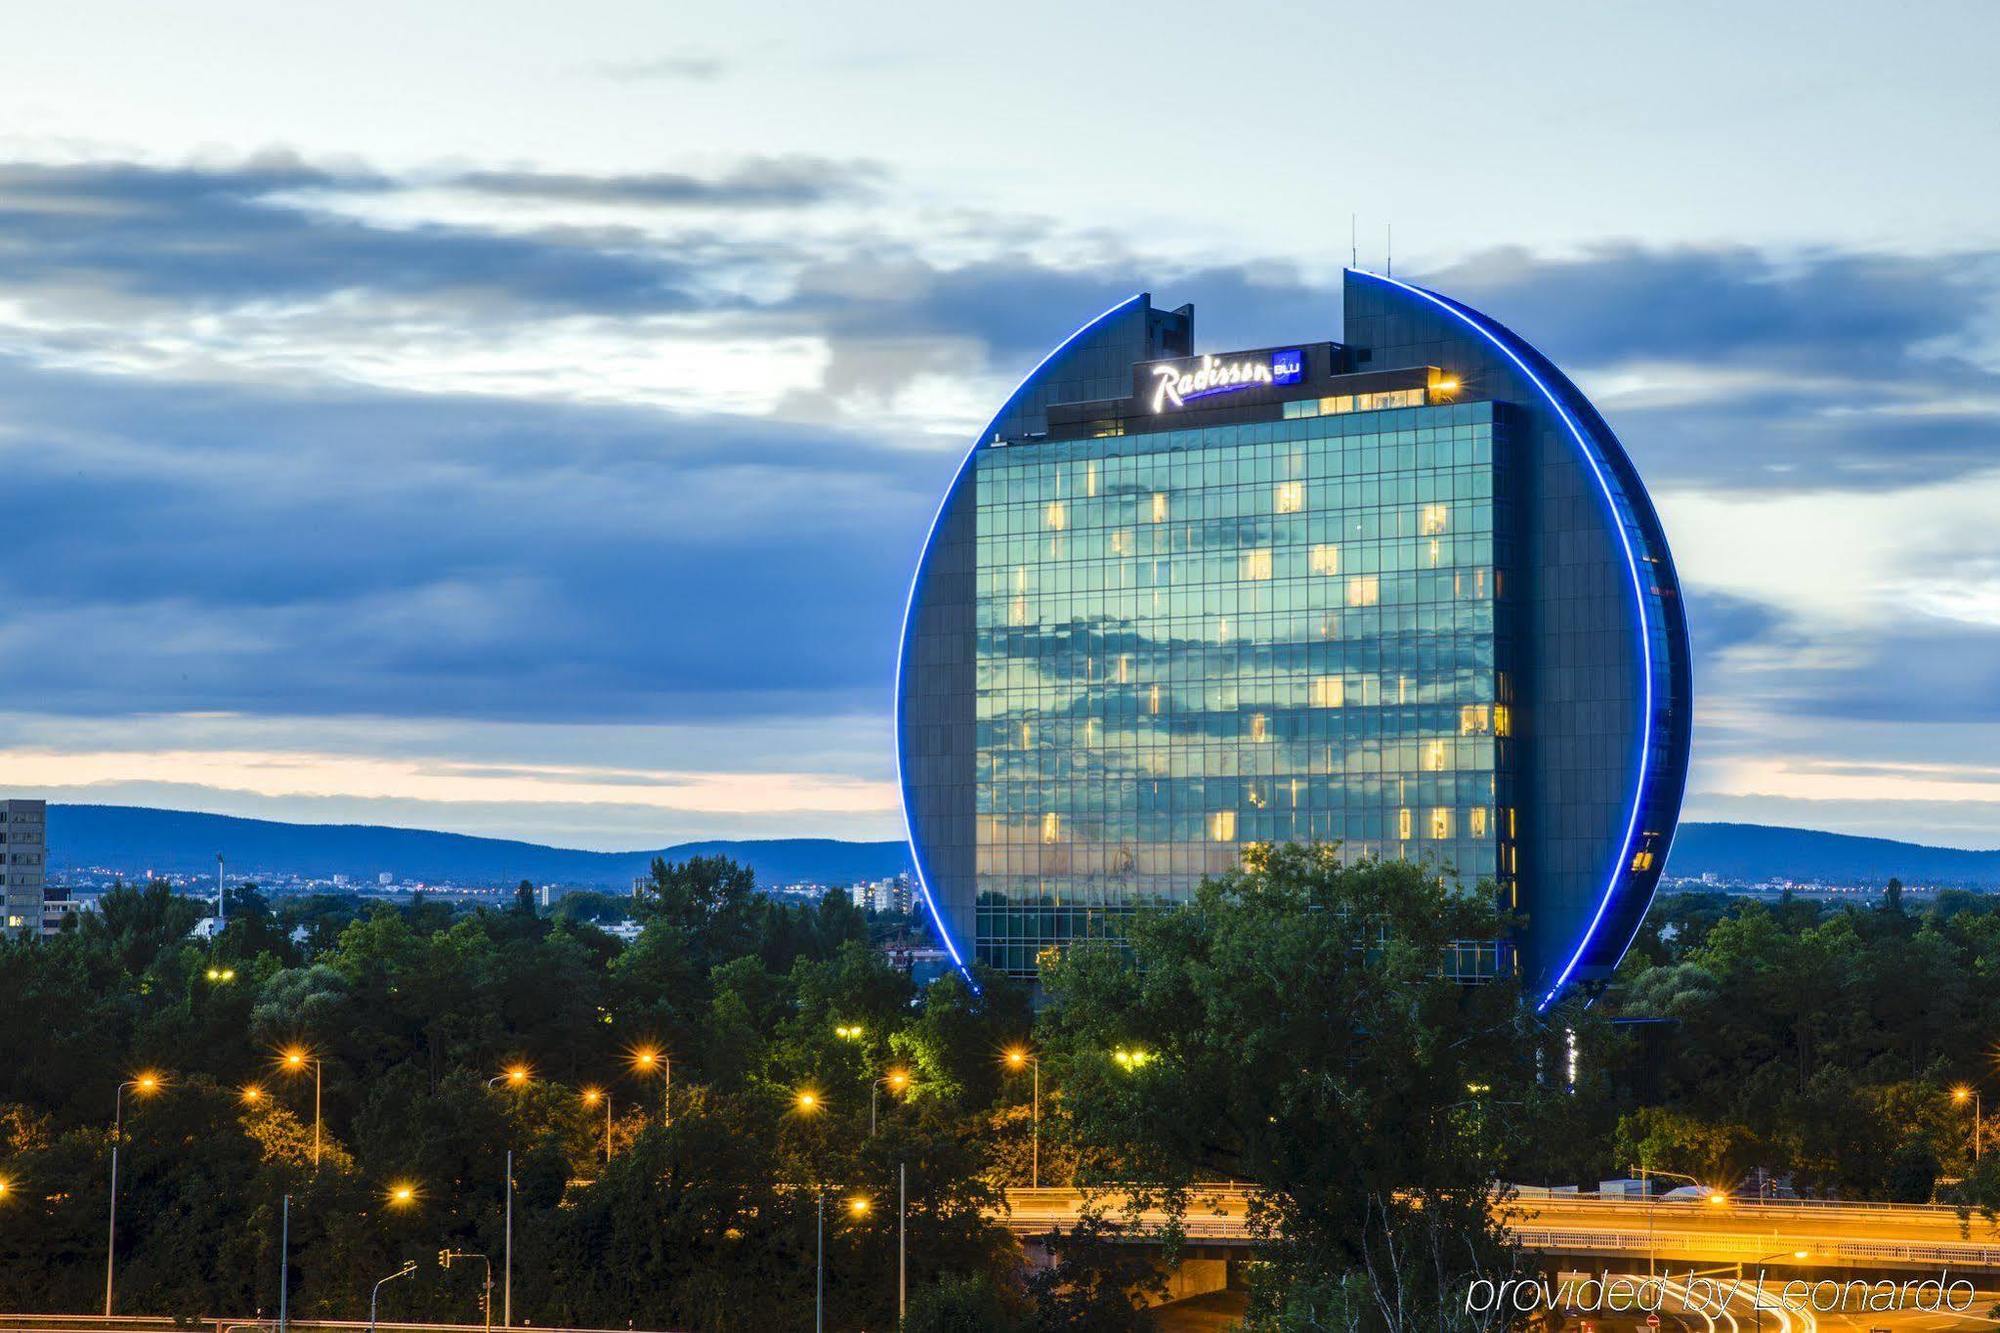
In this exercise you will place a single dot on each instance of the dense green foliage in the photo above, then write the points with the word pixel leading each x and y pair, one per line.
pixel 1807 1044
pixel 415 1015
pixel 1288 1029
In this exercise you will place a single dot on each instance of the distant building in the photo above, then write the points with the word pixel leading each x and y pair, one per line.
pixel 385 879
pixel 23 869
pixel 58 905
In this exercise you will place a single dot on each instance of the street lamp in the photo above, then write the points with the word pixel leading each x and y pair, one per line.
pixel 1132 1059
pixel 646 1059
pixel 145 1085
pixel 252 1095
pixel 807 1102
pixel 858 1207
pixel 516 1075
pixel 849 1031
pixel 409 1267
pixel 896 1081
pixel 591 1097
pixel 294 1060
pixel 400 1194
pixel 1715 1198
pixel 1016 1058
pixel 1961 1095
pixel 222 974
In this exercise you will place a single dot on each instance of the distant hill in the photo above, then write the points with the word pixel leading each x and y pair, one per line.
pixel 134 840
pixel 1756 852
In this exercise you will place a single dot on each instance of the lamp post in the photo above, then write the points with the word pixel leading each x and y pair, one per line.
pixel 444 1261
pixel 1714 1196
pixel 145 1085
pixel 902 1241
pixel 858 1206
pixel 284 1262
pixel 591 1097
pixel 645 1060
pixel 896 1080
pixel 507 1287
pixel 409 1267
pixel 1016 1058
pixel 1962 1094
pixel 295 1059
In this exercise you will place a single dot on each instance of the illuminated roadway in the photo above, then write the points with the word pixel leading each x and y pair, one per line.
pixel 1866 1237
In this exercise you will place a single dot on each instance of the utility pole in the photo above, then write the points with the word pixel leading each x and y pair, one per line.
pixel 284 1261
pixel 221 898
pixel 902 1241
pixel 507 1285
pixel 819 1270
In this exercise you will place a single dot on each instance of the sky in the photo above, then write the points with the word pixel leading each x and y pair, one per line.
pixel 523 420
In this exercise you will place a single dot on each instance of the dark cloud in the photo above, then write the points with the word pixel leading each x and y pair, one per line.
pixel 222 236
pixel 781 182
pixel 198 547
pixel 1824 372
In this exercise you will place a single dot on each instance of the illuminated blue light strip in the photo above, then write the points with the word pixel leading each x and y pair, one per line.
pixel 1638 594
pixel 909 609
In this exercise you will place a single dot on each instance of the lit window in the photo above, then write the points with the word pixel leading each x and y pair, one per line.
pixel 1364 590
pixel 1027 737
pixel 1433 519
pixel 1289 497
pixel 1475 821
pixel 1159 506
pixel 1153 702
pixel 1343 403
pixel 1257 565
pixel 1017 611
pixel 1642 860
pixel 1056 516
pixel 1051 827
pixel 1403 823
pixel 1222 826
pixel 1325 559
pixel 1121 542
pixel 1472 720
pixel 1124 668
pixel 1090 479
pixel 1260 727
pixel 1441 821
pixel 1436 553
pixel 1503 720
pixel 1434 755
pixel 1328 692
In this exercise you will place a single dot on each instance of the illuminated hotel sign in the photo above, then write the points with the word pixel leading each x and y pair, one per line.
pixel 1178 383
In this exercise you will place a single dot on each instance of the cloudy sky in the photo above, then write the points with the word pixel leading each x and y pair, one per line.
pixel 522 419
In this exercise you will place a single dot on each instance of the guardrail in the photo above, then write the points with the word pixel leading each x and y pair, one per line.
pixel 1822 1252
pixel 94 1323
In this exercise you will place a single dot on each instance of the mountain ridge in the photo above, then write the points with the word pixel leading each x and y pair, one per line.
pixel 136 839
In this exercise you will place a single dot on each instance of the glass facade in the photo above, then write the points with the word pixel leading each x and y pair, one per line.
pixel 1403 593
pixel 1191 640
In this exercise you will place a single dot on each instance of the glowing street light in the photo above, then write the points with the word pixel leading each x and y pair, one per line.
pixel 859 1206
pixel 897 1081
pixel 222 974
pixel 1020 1057
pixel 145 1084
pixel 645 1061
pixel 252 1095
pixel 806 1102
pixel 1134 1058
pixel 591 1097
pixel 293 1060
pixel 1961 1095
pixel 401 1194
pixel 516 1075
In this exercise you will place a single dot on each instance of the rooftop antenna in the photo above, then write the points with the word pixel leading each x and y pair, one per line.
pixel 1353 240
pixel 1389 250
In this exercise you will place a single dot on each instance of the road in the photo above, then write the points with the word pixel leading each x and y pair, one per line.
pixel 1886 1237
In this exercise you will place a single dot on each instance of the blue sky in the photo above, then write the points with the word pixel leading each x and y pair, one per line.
pixel 489 419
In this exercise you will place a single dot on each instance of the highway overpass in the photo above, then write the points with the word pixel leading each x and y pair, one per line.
pixel 1843 1236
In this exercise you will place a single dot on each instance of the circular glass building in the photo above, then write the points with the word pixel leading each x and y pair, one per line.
pixel 1402 592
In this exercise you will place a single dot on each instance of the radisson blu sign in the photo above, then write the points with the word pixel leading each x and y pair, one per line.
pixel 1178 383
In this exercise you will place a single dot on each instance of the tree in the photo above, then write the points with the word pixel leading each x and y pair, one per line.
pixel 1291 1028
